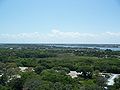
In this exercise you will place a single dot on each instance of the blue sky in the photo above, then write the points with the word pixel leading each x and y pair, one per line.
pixel 59 21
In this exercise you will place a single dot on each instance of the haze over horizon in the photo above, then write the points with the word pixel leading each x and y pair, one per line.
pixel 60 21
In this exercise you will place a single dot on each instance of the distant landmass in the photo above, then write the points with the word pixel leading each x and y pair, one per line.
pixel 115 47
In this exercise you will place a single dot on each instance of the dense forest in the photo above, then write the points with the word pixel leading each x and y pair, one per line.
pixel 48 68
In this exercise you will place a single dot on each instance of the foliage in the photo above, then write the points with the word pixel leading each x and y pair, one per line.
pixel 51 65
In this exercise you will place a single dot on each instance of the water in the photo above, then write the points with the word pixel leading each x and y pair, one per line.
pixel 87 46
pixel 114 49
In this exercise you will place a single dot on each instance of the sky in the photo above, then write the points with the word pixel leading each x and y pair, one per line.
pixel 60 21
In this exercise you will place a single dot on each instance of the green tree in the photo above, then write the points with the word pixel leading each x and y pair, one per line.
pixel 38 69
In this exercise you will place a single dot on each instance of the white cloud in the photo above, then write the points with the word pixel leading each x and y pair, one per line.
pixel 113 33
pixel 56 36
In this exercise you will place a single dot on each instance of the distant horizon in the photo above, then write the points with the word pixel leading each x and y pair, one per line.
pixel 68 43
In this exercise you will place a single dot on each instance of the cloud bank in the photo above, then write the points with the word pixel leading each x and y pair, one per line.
pixel 56 36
